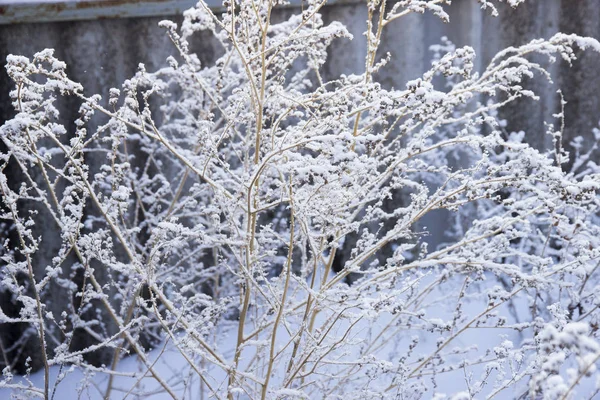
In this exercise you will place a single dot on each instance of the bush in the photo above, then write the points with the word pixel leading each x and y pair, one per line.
pixel 214 227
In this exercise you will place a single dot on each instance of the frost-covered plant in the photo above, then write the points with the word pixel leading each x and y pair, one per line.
pixel 227 192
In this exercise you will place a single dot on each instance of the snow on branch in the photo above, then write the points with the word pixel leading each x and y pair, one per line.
pixel 264 227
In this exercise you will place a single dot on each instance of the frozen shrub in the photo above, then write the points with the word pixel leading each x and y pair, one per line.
pixel 212 228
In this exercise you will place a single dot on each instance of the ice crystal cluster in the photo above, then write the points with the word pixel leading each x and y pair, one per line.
pixel 211 231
